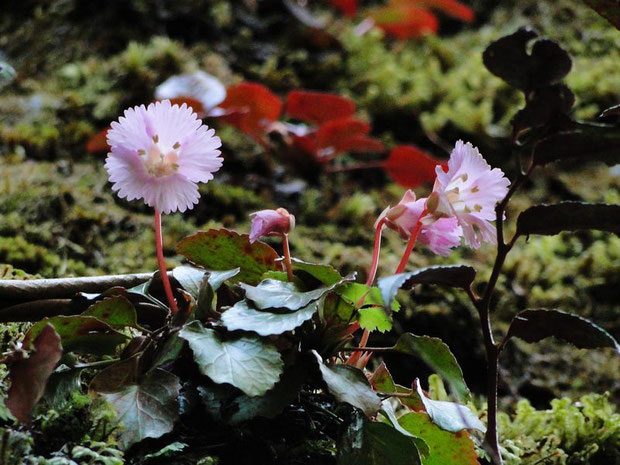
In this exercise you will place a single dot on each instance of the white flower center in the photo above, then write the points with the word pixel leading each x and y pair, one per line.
pixel 160 161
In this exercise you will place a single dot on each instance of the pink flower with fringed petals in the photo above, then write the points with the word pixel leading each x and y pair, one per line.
pixel 440 235
pixel 159 154
pixel 468 191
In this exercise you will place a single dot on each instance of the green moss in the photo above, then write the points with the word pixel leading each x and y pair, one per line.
pixel 581 432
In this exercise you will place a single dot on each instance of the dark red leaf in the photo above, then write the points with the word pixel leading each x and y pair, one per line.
pixel 334 134
pixel 403 22
pixel 251 108
pixel 318 107
pixel 410 167
pixel 348 7
pixel 360 144
pixel 29 375
pixel 98 143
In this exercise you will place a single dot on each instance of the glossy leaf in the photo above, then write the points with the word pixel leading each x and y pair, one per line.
pixel 511 59
pixel 446 448
pixel 221 249
pixel 452 275
pixel 449 416
pixel 190 278
pixel 243 317
pixel 536 325
pixel 273 293
pixel 411 167
pixel 245 362
pixel 376 443
pixel 349 384
pixel 326 274
pixel 584 144
pixel 437 355
pixel 83 334
pixel 382 381
pixel 29 374
pixel 116 311
pixel 147 409
pixel 317 107
pixel 255 105
pixel 549 220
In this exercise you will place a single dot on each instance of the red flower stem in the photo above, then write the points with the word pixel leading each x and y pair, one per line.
pixel 372 272
pixel 287 257
pixel 162 264
pixel 410 245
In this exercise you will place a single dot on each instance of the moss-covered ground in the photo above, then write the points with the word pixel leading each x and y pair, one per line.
pixel 77 72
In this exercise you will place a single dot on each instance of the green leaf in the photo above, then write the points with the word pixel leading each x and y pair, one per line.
pixel 61 385
pixel 327 274
pixel 349 384
pixel 272 293
pixel 536 325
pixel 246 362
pixel 273 401
pixel 83 334
pixel 549 220
pixel 388 411
pixel 361 295
pixel 147 409
pixel 449 416
pixel 190 278
pixel 220 249
pixel 446 448
pixel 608 9
pixel 382 381
pixel 453 276
pixel 513 60
pixel 374 319
pixel 438 356
pixel 243 317
pixel 376 443
pixel 29 374
pixel 595 143
pixel 117 311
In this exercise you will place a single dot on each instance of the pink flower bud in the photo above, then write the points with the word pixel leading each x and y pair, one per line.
pixel 268 222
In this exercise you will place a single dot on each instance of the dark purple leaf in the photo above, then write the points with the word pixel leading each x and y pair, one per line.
pixel 608 9
pixel 587 143
pixel 549 220
pixel 536 325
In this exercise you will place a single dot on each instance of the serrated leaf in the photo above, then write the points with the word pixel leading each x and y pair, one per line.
pixel 449 416
pixel 29 375
pixel 536 325
pixel 549 220
pixel 117 311
pixel 595 143
pixel 437 355
pixel 446 448
pixel 327 274
pixel 245 362
pixel 272 293
pixel 374 319
pixel 221 249
pixel 454 276
pixel 361 295
pixel 511 59
pixel 376 443
pixel 147 409
pixel 243 317
pixel 83 334
pixel 349 384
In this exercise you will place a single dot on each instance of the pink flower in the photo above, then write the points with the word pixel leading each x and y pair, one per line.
pixel 468 191
pixel 438 234
pixel 159 154
pixel 267 222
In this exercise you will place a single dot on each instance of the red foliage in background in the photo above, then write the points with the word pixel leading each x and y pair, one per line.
pixel 410 167
pixel 317 107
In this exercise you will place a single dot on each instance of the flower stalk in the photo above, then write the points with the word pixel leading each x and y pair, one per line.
pixel 162 264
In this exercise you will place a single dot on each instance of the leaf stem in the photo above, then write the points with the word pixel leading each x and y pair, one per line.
pixel 162 264
pixel 287 257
